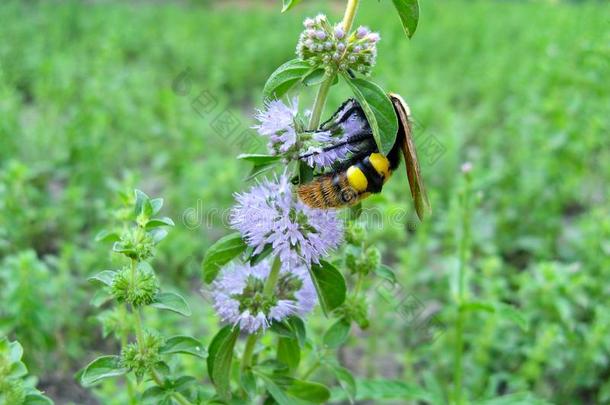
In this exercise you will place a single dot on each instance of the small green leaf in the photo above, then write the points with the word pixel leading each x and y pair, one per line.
pixel 141 198
pixel 337 334
pixel 256 259
pixel 380 390
pixel 258 159
pixel 284 78
pixel 37 399
pixel 103 278
pixel 408 11
pixel 378 109
pixel 314 77
pixel 157 204
pixel 386 273
pixel 220 357
pixel 184 345
pixel 107 236
pixel 158 234
pixel 288 4
pixel 100 369
pixel 154 395
pixel 346 380
pixel 309 391
pixel 220 253
pixel 511 313
pixel 298 326
pixel 330 286
pixel 289 352
pixel 157 222
pixel 170 301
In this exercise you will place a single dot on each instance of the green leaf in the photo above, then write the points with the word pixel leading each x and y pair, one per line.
pixel 278 393
pixel 157 204
pixel 141 198
pixel 154 395
pixel 314 77
pixel 170 301
pixel 346 380
pixel 511 313
pixel 37 399
pixel 337 334
pixel 386 273
pixel 103 278
pixel 158 234
pixel 284 78
pixel 184 345
pixel 378 109
pixel 107 236
pixel 288 4
pixel 15 351
pixel 309 391
pixel 259 159
pixel 330 286
pixel 298 326
pixel 408 11
pixel 220 253
pixel 156 222
pixel 100 369
pixel 220 357
pixel 289 352
pixel 256 259
pixel 379 390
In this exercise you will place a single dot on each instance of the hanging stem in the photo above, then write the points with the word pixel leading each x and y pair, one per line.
pixel 268 289
pixel 464 252
pixel 318 107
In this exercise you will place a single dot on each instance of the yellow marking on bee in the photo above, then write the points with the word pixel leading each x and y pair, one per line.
pixel 357 179
pixel 381 164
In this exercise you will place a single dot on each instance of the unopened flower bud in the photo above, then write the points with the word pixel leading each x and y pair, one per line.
pixel 339 32
pixel 374 37
pixel 309 23
pixel 328 45
pixel 341 46
pixel 362 32
pixel 357 49
pixel 321 35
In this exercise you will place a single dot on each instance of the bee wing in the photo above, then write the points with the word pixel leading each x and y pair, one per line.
pixel 405 135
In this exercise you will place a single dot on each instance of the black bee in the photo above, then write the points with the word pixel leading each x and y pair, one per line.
pixel 366 170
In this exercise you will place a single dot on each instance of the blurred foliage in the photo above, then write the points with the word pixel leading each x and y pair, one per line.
pixel 97 98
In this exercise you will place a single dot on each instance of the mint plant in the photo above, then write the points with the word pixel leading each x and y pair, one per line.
pixel 144 355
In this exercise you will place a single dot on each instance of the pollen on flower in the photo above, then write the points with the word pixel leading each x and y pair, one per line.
pixel 239 299
pixel 331 48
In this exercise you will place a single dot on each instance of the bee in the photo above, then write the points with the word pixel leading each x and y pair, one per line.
pixel 365 170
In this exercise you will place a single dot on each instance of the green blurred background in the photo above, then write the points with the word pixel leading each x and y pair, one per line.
pixel 101 97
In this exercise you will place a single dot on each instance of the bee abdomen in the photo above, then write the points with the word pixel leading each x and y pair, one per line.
pixel 329 191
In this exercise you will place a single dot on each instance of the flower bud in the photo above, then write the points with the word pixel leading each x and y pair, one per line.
pixel 339 32
pixel 138 289
pixel 362 32
pixel 341 46
pixel 309 23
pixel 374 37
pixel 321 35
pixel 141 360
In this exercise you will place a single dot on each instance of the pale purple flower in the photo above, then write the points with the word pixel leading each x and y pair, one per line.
pixel 339 32
pixel 362 32
pixel 276 122
pixel 270 214
pixel 239 299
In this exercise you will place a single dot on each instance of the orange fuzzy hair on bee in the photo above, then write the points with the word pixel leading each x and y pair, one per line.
pixel 329 191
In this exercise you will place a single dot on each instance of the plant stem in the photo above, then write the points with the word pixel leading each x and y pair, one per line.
pixel 318 106
pixel 350 14
pixel 124 340
pixel 464 252
pixel 248 351
pixel 273 277
pixel 267 291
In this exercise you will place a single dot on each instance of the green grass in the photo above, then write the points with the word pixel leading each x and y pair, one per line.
pixel 520 89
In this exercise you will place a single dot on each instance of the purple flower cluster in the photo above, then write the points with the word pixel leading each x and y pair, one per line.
pixel 239 299
pixel 276 122
pixel 331 47
pixel 269 214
